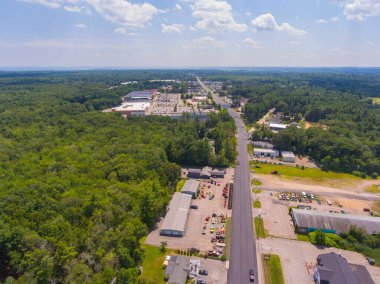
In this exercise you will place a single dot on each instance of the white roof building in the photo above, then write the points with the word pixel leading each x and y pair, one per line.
pixel 134 108
pixel 277 126
pixel 176 218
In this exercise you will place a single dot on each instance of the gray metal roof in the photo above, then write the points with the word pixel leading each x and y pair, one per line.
pixel 335 221
pixel 147 94
pixel 264 150
pixel 191 186
pixel 287 154
pixel 177 215
pixel 181 270
pixel 335 269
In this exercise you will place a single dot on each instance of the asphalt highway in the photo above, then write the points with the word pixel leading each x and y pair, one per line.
pixel 243 255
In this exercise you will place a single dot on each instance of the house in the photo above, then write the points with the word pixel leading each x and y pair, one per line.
pixel 288 157
pixel 178 270
pixel 332 268
pixel 261 152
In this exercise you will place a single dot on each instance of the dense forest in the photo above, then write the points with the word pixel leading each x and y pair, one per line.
pixel 345 124
pixel 80 188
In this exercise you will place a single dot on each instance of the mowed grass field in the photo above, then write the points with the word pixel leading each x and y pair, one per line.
pixel 180 184
pixel 152 265
pixel 290 171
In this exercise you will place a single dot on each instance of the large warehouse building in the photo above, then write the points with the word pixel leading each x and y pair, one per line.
pixel 176 218
pixel 288 157
pixel 140 96
pixel 261 152
pixel 306 221
pixel 191 187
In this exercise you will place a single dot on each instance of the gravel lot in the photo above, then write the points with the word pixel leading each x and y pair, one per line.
pixel 298 258
pixel 193 235
pixel 217 272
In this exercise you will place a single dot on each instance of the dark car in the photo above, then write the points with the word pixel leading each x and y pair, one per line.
pixel 201 281
pixel 203 272
pixel 251 275
pixel 371 261
pixel 194 206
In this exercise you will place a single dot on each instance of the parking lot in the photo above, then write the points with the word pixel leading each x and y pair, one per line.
pixel 217 271
pixel 196 221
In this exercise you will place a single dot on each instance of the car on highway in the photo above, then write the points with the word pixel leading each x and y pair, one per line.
pixel 251 275
pixel 203 272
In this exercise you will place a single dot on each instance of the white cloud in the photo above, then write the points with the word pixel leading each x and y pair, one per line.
pixel 174 28
pixel 267 22
pixel 74 9
pixel 295 42
pixel 53 4
pixel 80 26
pixel 208 41
pixel 177 7
pixel 121 30
pixel 360 10
pixel 251 42
pixel 330 20
pixel 125 13
pixel 215 15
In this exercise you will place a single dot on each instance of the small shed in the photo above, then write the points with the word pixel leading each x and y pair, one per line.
pixel 288 157
pixel 191 187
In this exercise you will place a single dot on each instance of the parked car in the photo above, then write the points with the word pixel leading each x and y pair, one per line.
pixel 203 272
pixel 194 206
pixel 201 281
pixel 251 275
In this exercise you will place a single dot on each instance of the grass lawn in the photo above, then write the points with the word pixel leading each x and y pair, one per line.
pixel 376 101
pixel 180 184
pixel 250 149
pixel 298 172
pixel 256 182
pixel 275 270
pixel 303 238
pixel 256 204
pixel 373 189
pixel 259 228
pixel 228 238
pixel 257 191
pixel 152 264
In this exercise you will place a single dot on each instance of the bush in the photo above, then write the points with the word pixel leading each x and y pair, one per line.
pixel 374 175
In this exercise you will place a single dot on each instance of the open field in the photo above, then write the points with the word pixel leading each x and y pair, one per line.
pixel 374 188
pixel 312 173
pixel 152 264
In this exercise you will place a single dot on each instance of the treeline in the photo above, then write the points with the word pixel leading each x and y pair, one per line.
pixel 345 129
pixel 80 188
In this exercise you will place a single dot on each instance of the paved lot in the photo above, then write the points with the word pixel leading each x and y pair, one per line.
pixel 217 272
pixel 298 258
pixel 193 235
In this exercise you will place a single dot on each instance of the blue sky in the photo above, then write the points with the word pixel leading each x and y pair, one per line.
pixel 189 33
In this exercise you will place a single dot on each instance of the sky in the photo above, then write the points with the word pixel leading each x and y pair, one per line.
pixel 189 33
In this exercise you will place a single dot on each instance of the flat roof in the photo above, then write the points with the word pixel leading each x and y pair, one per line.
pixel 191 185
pixel 335 221
pixel 179 208
pixel 278 125
pixel 132 106
pixel 264 150
pixel 287 154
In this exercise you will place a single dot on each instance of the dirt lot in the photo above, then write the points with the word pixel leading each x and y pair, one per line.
pixel 298 258
pixel 217 272
pixel 193 234
pixel 277 221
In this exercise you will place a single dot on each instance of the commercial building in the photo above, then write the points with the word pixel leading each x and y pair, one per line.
pixel 200 99
pixel 132 108
pixel 194 173
pixel 176 218
pixel 215 173
pixel 261 144
pixel 191 187
pixel 306 221
pixel 140 96
pixel 177 270
pixel 332 268
pixel 277 126
pixel 288 157
pixel 261 152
